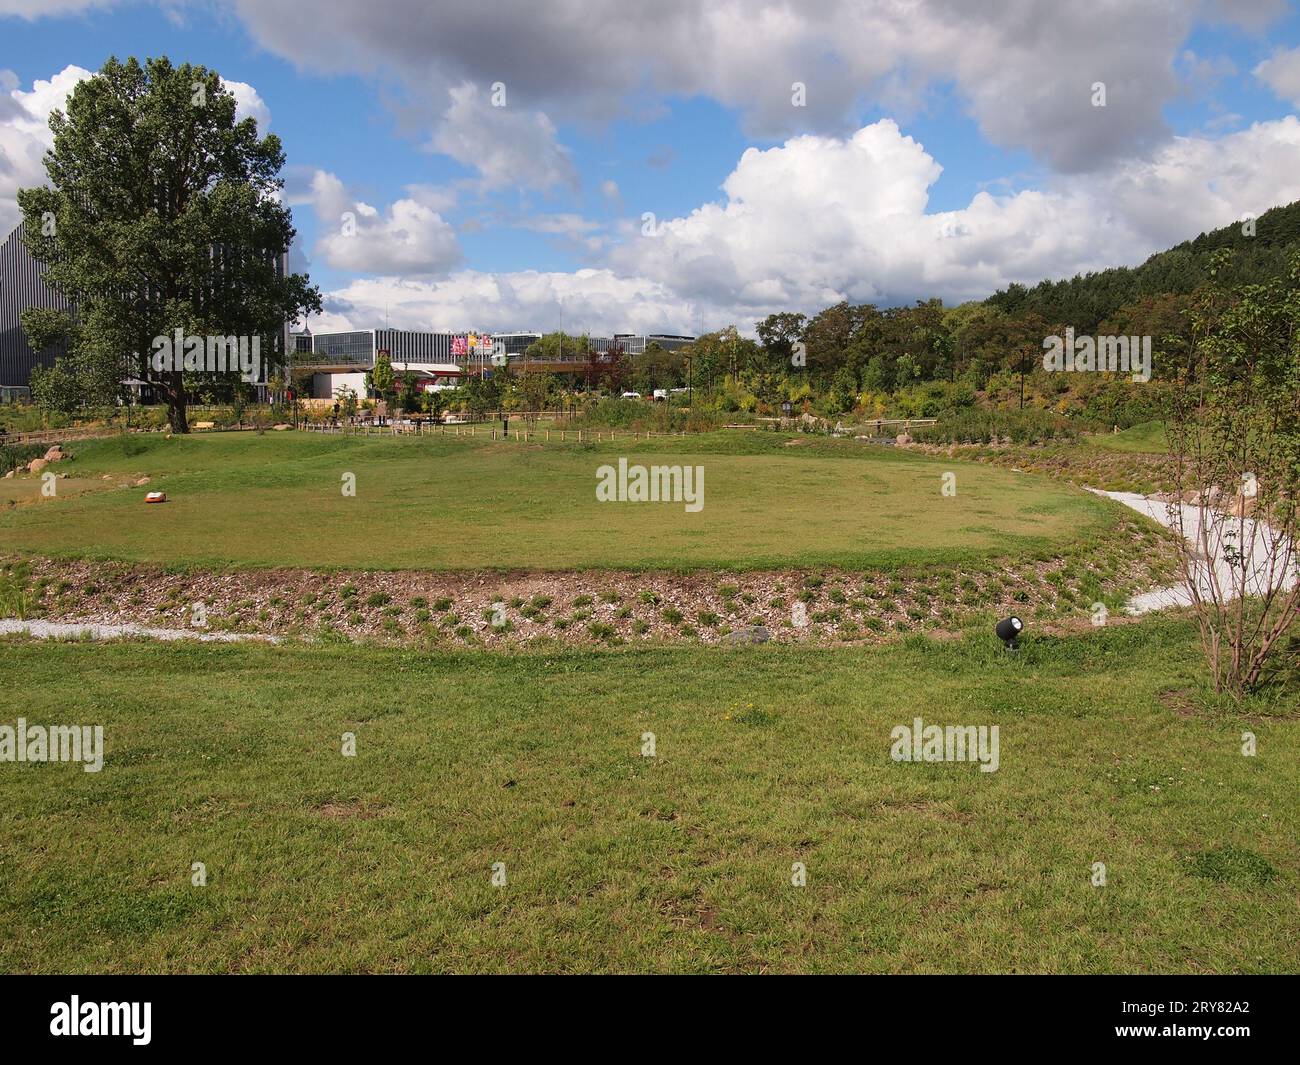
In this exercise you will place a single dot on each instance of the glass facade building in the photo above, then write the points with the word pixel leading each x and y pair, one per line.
pixel 21 286
pixel 637 343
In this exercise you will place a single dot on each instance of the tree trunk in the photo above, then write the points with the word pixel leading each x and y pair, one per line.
pixel 176 403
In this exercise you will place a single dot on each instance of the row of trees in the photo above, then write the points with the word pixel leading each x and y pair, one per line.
pixel 847 354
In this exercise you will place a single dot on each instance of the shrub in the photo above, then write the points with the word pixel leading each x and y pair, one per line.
pixel 991 426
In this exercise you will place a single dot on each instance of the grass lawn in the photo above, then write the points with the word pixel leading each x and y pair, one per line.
pixel 446 503
pixel 766 756
pixel 1147 438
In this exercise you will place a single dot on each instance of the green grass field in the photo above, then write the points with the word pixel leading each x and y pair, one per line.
pixel 231 756
pixel 769 755
pixel 447 503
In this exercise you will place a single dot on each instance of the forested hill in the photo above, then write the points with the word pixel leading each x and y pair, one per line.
pixel 1086 300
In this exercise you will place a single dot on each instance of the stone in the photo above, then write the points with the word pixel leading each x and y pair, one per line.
pixel 204 425
pixel 281 427
pixel 36 465
pixel 142 482
pixel 1242 507
pixel 750 634
pixel 55 454
pixel 903 438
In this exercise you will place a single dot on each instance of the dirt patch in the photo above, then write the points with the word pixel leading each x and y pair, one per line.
pixel 349 811
pixel 1179 701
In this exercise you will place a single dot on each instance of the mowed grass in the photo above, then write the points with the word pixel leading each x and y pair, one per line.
pixel 445 503
pixel 231 756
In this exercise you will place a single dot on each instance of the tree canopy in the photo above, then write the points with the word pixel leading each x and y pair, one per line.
pixel 162 212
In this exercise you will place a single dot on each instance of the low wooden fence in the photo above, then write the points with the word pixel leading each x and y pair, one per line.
pixel 58 436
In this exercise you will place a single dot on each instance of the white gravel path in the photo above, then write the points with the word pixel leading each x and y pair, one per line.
pixel 1222 531
pixel 97 631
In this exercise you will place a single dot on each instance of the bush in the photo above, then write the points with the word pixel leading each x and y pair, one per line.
pixel 993 426
pixel 14 455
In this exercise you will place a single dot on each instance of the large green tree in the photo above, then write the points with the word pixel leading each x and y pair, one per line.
pixel 162 212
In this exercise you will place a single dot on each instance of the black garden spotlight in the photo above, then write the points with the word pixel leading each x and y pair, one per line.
pixel 1008 631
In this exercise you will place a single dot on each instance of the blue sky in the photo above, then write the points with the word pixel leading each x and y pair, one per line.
pixel 935 157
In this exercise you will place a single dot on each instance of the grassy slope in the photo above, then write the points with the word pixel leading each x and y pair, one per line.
pixel 1146 439
pixel 443 503
pixel 230 755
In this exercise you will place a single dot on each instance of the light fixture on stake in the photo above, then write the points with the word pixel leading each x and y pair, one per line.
pixel 1008 630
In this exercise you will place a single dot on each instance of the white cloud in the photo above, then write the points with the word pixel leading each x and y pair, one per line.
pixel 410 238
pixel 249 104
pixel 34 9
pixel 820 219
pixel 1024 70
pixel 557 225
pixel 509 148
pixel 1281 73
pixel 25 135
pixel 596 301
pixel 610 190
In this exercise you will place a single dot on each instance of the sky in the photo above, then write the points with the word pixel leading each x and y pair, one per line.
pixel 675 166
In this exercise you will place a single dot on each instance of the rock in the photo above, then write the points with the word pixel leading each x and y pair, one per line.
pixel 1242 506
pixel 750 634
pixel 142 482
pixel 10 473
pixel 282 427
pixel 55 454
pixel 36 465
pixel 204 425
pixel 903 438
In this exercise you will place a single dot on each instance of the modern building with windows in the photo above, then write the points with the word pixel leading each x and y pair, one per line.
pixel 22 286
pixel 637 343
pixel 341 360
